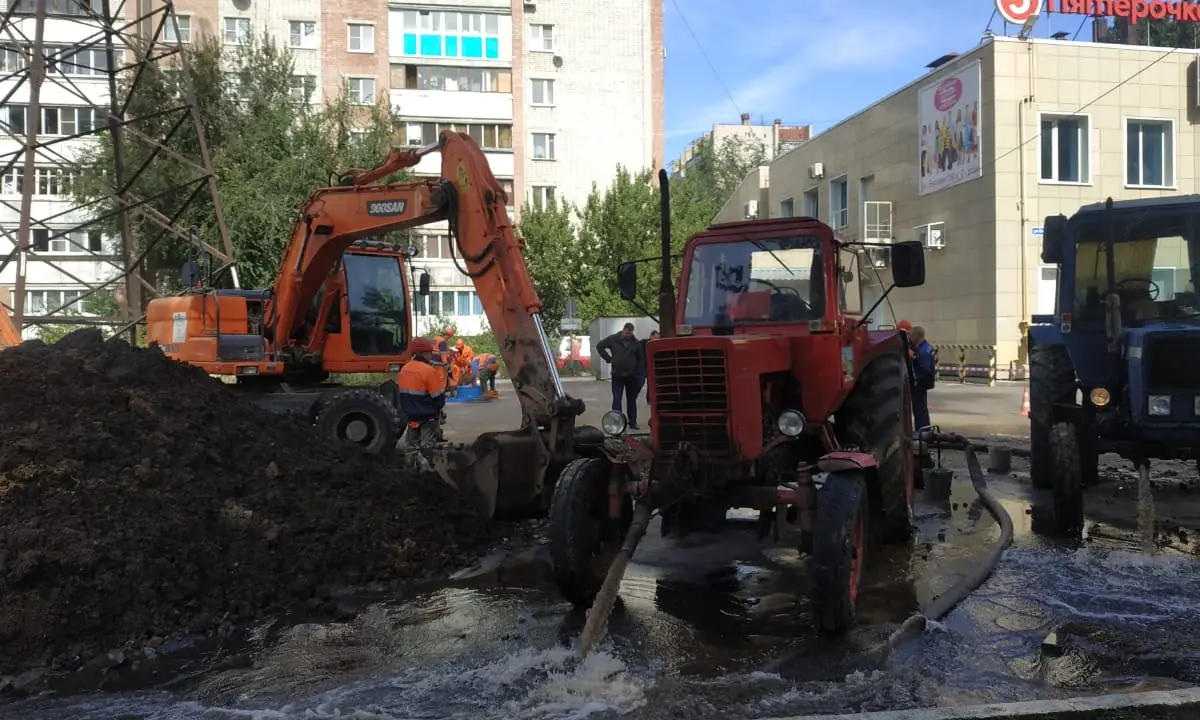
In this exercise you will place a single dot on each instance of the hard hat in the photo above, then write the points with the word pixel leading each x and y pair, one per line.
pixel 459 344
pixel 420 345
pixel 904 325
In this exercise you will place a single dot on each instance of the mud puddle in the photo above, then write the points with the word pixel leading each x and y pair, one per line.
pixel 716 627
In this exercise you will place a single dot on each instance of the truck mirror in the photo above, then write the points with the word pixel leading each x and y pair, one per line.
pixel 908 264
pixel 190 273
pixel 1054 235
pixel 423 284
pixel 627 280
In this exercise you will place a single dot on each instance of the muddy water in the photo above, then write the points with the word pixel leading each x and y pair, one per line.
pixel 717 627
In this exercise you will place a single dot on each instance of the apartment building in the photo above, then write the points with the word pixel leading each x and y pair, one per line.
pixel 774 139
pixel 970 158
pixel 555 92
pixel 73 99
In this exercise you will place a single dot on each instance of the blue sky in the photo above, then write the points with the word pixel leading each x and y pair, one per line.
pixel 808 61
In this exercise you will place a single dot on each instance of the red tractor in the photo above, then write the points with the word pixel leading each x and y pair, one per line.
pixel 767 391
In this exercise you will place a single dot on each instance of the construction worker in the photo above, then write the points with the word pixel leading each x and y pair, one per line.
pixel 462 362
pixel 422 387
pixel 486 366
pixel 924 376
pixel 464 351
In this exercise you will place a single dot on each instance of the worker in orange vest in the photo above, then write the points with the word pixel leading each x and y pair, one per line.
pixel 485 366
pixel 422 389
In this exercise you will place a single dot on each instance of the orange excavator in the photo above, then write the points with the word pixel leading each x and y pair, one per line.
pixel 340 305
pixel 9 334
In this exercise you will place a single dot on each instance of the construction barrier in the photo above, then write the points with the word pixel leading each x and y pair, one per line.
pixel 958 366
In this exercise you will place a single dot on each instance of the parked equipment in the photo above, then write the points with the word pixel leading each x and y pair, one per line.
pixel 1114 369
pixel 767 391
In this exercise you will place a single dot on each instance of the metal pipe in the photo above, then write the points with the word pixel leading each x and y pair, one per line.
pixel 559 392
pixel 33 122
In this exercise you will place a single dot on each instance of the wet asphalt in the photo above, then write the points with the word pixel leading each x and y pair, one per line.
pixel 719 625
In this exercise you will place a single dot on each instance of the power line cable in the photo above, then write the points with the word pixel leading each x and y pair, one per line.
pixel 704 55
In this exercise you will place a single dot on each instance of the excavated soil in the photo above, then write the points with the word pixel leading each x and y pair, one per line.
pixel 139 497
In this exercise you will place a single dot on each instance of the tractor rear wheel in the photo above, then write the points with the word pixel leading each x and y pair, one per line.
pixel 584 540
pixel 1068 470
pixel 840 538
pixel 361 417
pixel 1051 383
pixel 875 416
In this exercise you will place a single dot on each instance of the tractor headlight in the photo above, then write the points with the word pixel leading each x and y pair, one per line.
pixel 1160 405
pixel 1100 397
pixel 790 423
pixel 613 423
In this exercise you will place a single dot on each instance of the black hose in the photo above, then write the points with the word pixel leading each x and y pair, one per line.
pixel 941 606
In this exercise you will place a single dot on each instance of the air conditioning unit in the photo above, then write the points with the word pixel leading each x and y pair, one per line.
pixel 530 5
pixel 750 210
pixel 816 171
pixel 931 236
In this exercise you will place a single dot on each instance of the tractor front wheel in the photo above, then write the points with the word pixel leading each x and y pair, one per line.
pixel 584 540
pixel 1068 467
pixel 840 539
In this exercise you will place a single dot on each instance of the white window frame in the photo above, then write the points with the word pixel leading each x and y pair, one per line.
pixel 547 90
pixel 1170 170
pixel 307 42
pixel 1085 148
pixel 238 38
pixel 362 49
pixel 360 101
pixel 539 40
pixel 815 192
pixel 545 195
pixel 839 217
pixel 552 154
pixel 297 88
pixel 75 308
pixel 790 204
pixel 185 29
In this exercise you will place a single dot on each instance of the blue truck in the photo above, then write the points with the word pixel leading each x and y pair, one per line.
pixel 1116 368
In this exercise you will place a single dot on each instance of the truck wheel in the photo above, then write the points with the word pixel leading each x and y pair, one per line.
pixel 361 417
pixel 875 416
pixel 840 538
pixel 1068 479
pixel 584 541
pixel 1051 383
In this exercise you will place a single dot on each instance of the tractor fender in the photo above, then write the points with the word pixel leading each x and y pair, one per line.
pixel 841 461
pixel 1045 335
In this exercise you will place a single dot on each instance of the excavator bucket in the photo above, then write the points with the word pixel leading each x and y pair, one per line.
pixel 500 474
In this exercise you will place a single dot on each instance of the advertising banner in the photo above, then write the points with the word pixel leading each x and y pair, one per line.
pixel 950 120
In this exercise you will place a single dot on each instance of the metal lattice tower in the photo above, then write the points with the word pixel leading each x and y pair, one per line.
pixel 69 71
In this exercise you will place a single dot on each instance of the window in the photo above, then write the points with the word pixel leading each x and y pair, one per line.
pixel 185 29
pixel 78 63
pixel 543 146
pixel 41 302
pixel 80 8
pixel 849 288
pixel 236 31
pixel 755 281
pixel 302 34
pixel 362 38
pixel 13 118
pixel 74 241
pixel 1150 153
pixel 488 136
pixel 52 181
pixel 786 209
pixel 234 86
pixel 542 92
pixel 1065 150
pixel 303 87
pixel 453 79
pixel 12 59
pixel 543 196
pixel 509 192
pixel 13 181
pixel 377 304
pixel 464 302
pixel 361 91
pixel 541 38
pixel 812 199
pixel 839 204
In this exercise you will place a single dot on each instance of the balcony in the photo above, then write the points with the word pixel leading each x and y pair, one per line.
pixel 436 104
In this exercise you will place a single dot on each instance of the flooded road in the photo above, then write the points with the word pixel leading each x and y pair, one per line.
pixel 716 626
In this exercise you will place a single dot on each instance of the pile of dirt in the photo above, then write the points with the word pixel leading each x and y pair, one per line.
pixel 140 497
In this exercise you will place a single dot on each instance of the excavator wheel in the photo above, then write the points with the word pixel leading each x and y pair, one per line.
pixel 362 417
pixel 584 541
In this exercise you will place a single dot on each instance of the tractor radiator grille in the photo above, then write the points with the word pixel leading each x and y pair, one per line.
pixel 691 401
pixel 690 381
pixel 1171 362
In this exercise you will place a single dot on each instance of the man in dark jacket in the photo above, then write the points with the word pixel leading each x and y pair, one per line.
pixel 924 375
pixel 627 355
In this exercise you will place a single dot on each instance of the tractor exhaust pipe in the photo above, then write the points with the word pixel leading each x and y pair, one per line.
pixel 666 291
pixel 602 606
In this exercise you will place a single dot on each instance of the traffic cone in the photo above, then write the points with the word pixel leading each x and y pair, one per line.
pixel 1025 402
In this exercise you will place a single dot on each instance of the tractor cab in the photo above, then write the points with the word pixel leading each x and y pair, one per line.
pixel 1112 370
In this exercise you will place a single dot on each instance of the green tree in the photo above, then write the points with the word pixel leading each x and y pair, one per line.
pixel 554 256
pixel 269 152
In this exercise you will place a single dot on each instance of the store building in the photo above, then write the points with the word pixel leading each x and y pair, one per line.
pixel 1037 127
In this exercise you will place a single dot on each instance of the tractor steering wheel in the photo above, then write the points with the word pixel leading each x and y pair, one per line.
pixel 776 288
pixel 1152 288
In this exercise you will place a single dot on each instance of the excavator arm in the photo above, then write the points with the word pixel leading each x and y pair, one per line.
pixel 9 334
